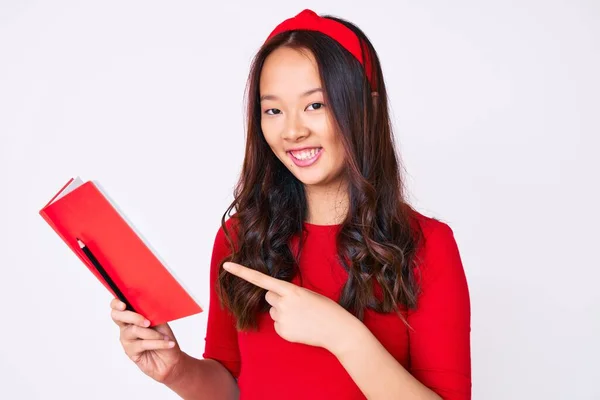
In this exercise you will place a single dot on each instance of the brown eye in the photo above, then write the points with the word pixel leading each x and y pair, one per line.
pixel 275 111
pixel 316 106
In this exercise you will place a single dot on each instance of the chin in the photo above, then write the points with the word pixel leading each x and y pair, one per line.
pixel 313 179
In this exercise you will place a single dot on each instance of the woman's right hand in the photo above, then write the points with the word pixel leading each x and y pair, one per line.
pixel 154 350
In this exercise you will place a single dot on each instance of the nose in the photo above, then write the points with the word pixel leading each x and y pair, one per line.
pixel 294 128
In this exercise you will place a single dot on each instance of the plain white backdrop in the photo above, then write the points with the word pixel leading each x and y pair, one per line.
pixel 495 108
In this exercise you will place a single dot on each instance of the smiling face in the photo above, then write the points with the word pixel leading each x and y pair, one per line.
pixel 295 120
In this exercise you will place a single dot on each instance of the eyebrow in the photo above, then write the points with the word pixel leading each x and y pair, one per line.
pixel 307 93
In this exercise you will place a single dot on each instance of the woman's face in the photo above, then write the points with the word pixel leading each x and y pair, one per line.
pixel 297 124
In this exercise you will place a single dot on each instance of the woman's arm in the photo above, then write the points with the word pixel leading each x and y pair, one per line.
pixel 202 380
pixel 375 370
pixel 439 344
pixel 213 376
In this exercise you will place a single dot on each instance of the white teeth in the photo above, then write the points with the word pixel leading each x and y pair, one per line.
pixel 305 154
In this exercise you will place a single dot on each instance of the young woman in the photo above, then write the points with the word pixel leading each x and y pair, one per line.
pixel 325 283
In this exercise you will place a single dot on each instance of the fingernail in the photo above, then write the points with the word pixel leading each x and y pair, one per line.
pixel 171 344
pixel 226 265
pixel 122 306
pixel 166 337
pixel 146 322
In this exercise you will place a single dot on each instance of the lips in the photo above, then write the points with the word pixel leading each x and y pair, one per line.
pixel 307 162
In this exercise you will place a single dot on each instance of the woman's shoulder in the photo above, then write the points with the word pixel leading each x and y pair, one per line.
pixel 226 228
pixel 438 251
pixel 430 226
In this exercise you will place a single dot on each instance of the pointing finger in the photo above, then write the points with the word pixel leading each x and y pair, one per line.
pixel 257 278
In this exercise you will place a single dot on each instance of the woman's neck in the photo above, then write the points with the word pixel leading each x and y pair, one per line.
pixel 327 205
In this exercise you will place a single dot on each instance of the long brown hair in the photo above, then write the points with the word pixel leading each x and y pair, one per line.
pixel 377 241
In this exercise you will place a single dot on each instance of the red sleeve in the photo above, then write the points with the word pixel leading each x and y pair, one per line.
pixel 221 334
pixel 440 350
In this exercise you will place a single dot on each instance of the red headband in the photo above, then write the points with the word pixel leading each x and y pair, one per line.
pixel 310 21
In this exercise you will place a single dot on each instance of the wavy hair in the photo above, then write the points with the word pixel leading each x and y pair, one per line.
pixel 377 241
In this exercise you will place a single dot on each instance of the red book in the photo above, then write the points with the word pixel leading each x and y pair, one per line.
pixel 90 223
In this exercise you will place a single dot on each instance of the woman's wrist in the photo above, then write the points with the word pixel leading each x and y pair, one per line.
pixel 348 336
pixel 177 374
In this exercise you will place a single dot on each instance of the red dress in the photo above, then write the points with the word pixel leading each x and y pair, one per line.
pixel 436 352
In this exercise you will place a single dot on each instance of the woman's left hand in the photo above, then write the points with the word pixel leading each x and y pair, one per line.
pixel 300 315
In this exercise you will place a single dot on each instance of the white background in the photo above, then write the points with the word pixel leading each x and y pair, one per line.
pixel 495 106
